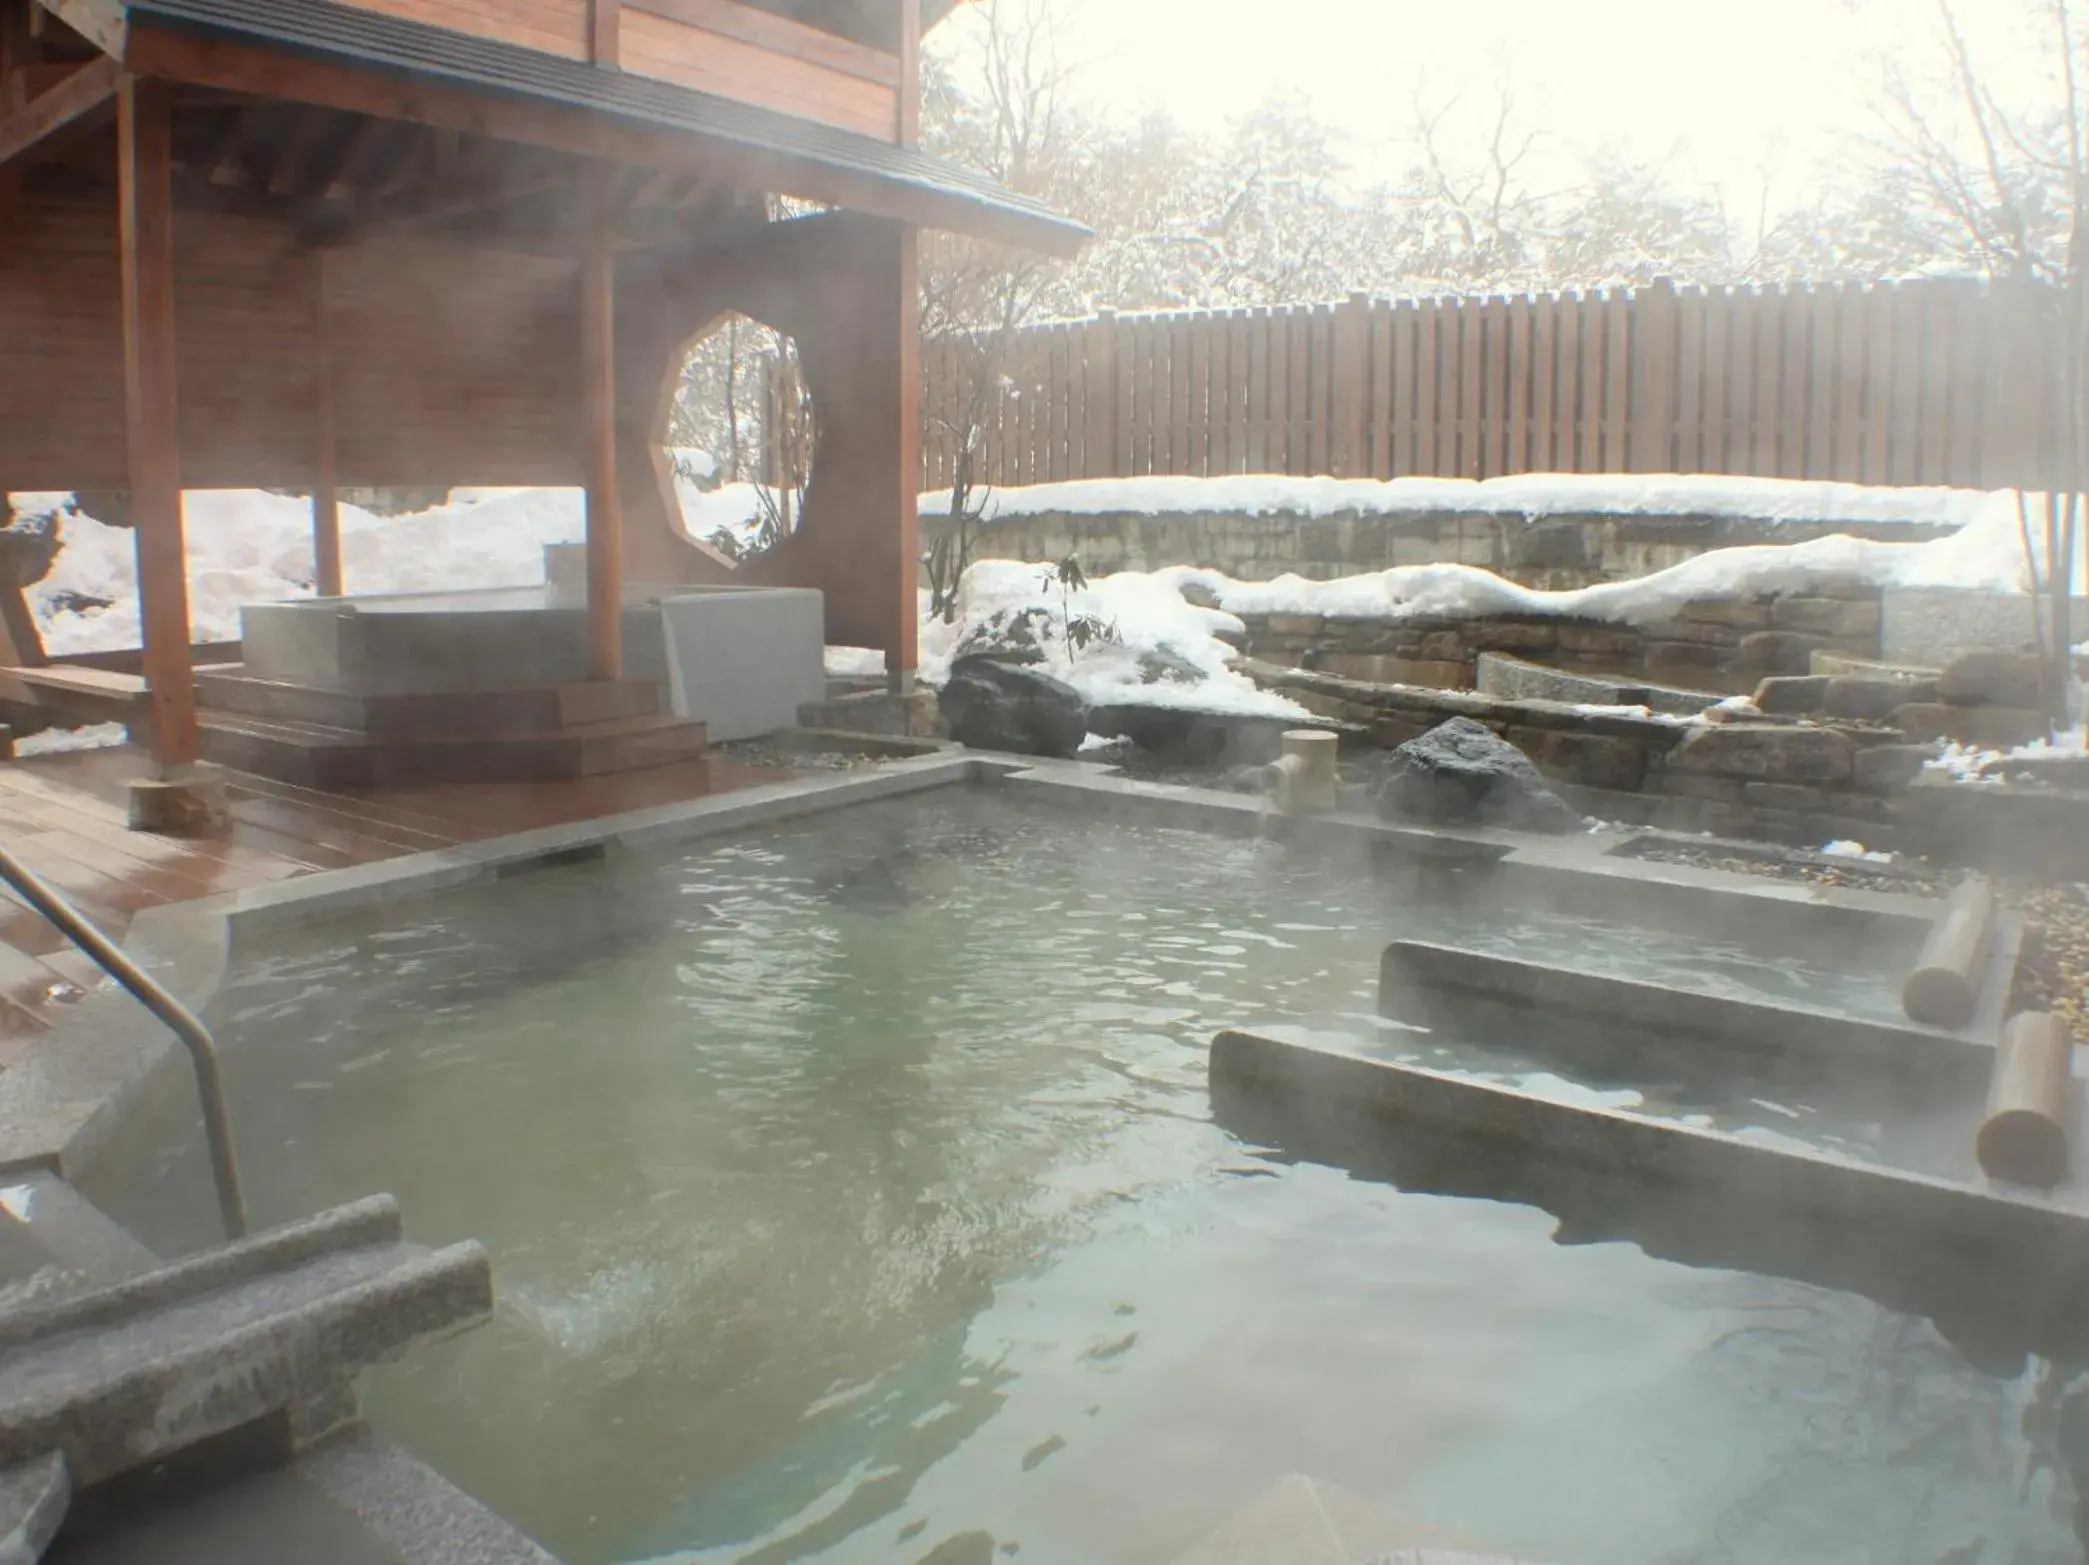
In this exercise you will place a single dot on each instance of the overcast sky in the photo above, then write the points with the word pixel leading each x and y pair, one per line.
pixel 1730 89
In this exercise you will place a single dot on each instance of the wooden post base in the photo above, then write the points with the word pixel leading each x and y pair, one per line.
pixel 187 804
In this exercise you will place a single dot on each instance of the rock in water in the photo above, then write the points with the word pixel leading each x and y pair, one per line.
pixel 991 705
pixel 1462 773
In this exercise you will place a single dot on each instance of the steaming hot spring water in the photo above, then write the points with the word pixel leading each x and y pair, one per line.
pixel 854 1194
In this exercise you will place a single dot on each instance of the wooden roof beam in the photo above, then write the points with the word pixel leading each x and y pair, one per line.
pixel 84 99
pixel 103 23
pixel 242 67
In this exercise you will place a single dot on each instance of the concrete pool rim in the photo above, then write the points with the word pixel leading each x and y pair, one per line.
pixel 74 1086
pixel 77 1086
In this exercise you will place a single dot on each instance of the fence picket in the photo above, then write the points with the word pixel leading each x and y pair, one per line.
pixel 1903 460
pixel 1429 389
pixel 1690 379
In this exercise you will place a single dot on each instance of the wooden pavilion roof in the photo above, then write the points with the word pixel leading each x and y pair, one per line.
pixel 325 55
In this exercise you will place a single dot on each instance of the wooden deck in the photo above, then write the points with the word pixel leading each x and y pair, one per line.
pixel 63 816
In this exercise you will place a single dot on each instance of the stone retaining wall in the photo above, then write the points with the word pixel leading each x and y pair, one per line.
pixel 1721 645
pixel 1784 782
pixel 1553 552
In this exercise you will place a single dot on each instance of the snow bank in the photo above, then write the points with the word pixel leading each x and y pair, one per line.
pixel 1987 554
pixel 249 546
pixel 1468 592
pixel 59 741
pixel 1530 495
pixel 1147 614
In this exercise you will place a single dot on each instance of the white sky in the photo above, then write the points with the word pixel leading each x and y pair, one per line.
pixel 1729 91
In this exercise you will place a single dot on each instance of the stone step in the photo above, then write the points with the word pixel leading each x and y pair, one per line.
pixel 318 756
pixel 128 1374
pixel 542 709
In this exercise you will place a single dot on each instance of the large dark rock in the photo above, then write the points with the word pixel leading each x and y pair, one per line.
pixel 991 705
pixel 1462 773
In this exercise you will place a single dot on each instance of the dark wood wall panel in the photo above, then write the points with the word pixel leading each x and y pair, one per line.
pixel 553 26
pixel 706 61
pixel 454 366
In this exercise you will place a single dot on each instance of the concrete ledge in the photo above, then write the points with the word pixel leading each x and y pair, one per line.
pixel 1913 1243
pixel 1419 980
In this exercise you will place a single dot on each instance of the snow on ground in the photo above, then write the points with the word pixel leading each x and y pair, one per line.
pixel 1146 614
pixel 248 546
pixel 1530 495
pixel 56 741
pixel 1854 850
pixel 1969 764
pixel 855 663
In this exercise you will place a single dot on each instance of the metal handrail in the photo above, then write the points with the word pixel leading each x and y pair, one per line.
pixel 210 1088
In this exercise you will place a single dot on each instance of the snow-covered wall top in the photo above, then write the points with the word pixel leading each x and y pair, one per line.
pixel 1534 496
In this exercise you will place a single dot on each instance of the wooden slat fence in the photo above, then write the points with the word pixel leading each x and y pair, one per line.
pixel 1922 382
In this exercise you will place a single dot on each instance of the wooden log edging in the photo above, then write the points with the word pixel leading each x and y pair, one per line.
pixel 1944 988
pixel 2031 1104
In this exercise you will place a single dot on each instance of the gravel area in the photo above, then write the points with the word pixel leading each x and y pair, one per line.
pixel 1794 864
pixel 777 758
pixel 2053 973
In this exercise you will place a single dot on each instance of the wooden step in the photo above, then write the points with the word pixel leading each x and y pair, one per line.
pixel 543 709
pixel 312 755
pixel 92 694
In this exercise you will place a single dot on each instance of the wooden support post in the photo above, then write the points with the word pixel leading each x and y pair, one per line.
pixel 903 655
pixel 145 199
pixel 18 51
pixel 605 527
pixel 909 72
pixel 326 499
